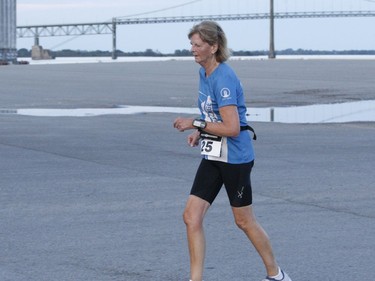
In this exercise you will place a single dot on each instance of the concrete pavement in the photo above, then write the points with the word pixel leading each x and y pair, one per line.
pixel 101 198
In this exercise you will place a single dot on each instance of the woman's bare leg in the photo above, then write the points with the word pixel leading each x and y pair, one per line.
pixel 245 220
pixel 194 213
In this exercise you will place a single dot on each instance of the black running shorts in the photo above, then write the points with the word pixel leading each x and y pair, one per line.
pixel 211 176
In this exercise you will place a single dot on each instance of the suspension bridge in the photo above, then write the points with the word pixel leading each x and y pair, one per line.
pixel 111 26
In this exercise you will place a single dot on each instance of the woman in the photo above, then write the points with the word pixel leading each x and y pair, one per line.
pixel 226 148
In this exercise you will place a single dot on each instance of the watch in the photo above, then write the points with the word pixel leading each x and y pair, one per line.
pixel 200 124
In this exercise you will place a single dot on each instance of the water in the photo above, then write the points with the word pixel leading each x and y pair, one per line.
pixel 320 113
pixel 360 111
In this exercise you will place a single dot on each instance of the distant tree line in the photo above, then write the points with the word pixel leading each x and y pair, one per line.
pixel 23 53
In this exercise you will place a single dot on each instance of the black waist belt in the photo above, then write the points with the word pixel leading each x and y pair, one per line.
pixel 247 127
pixel 243 128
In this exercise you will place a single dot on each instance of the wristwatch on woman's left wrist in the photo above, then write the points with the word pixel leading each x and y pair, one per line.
pixel 199 123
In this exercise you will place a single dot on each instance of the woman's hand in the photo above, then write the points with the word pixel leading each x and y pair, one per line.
pixel 183 124
pixel 193 138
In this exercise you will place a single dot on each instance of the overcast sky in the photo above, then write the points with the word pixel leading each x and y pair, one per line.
pixel 316 34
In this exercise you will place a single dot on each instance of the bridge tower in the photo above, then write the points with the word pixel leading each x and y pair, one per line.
pixel 272 53
pixel 8 31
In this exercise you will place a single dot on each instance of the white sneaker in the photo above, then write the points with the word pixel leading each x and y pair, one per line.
pixel 285 277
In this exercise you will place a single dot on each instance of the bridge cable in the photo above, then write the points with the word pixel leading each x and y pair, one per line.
pixel 160 10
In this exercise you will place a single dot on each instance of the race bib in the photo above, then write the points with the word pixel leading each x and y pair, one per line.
pixel 211 145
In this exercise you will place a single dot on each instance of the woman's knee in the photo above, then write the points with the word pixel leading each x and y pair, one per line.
pixel 244 219
pixel 186 216
pixel 195 211
pixel 242 223
pixel 192 219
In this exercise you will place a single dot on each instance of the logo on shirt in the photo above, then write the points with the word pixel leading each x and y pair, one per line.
pixel 225 93
pixel 208 110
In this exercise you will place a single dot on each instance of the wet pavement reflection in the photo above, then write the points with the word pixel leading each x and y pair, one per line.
pixel 359 111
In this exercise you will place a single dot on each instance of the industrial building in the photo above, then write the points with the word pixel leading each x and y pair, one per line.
pixel 8 31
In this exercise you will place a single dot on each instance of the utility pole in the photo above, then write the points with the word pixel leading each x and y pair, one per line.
pixel 272 54
pixel 114 38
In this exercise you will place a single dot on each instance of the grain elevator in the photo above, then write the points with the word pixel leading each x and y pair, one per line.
pixel 8 31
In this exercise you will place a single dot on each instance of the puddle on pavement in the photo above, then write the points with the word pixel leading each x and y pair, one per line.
pixel 360 111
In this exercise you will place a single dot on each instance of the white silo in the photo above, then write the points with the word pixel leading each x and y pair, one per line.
pixel 8 30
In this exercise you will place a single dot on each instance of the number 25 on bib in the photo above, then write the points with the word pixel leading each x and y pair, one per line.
pixel 211 145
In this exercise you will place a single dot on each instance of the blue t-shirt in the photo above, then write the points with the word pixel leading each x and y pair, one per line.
pixel 220 89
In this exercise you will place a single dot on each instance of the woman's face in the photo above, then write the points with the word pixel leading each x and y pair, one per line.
pixel 202 51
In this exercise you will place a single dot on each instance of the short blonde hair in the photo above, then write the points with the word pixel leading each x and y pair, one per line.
pixel 211 33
